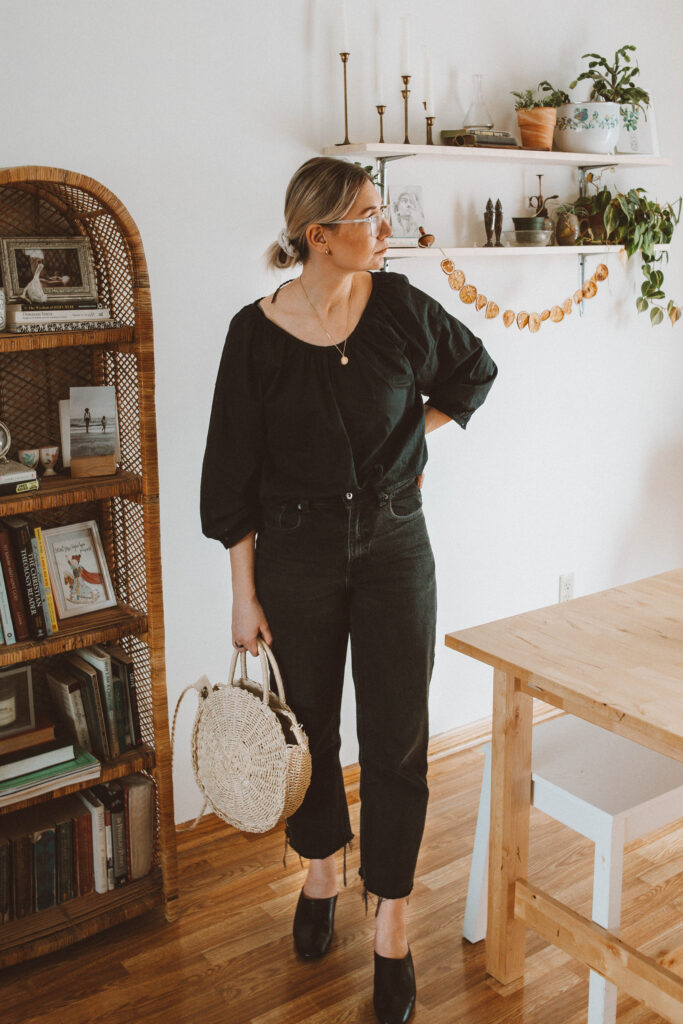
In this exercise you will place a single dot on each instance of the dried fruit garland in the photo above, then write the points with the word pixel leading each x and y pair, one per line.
pixel 469 295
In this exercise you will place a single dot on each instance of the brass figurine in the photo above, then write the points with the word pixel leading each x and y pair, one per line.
pixel 488 224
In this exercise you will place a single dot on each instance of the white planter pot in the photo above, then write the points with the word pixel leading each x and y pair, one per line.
pixel 587 127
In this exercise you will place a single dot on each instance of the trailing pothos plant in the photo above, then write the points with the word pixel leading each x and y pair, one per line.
pixel 639 224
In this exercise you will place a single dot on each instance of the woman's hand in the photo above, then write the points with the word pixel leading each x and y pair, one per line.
pixel 420 480
pixel 249 622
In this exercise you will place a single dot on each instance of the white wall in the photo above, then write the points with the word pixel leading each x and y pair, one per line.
pixel 196 115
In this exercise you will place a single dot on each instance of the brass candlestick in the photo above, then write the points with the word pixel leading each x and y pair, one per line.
pixel 430 122
pixel 346 142
pixel 405 93
pixel 380 110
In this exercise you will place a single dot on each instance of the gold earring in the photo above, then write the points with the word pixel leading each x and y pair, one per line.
pixel 327 252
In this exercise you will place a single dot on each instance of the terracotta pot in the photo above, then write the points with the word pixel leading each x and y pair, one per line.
pixel 536 127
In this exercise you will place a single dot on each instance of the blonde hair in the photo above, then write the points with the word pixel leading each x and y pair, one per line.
pixel 322 190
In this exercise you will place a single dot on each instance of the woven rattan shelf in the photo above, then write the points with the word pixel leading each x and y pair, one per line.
pixel 36 371
pixel 122 338
pixel 69 922
pixel 57 490
pixel 138 760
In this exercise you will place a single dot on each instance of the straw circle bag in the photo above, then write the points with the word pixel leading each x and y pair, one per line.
pixel 250 756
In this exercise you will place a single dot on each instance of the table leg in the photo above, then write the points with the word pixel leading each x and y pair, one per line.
pixel 510 817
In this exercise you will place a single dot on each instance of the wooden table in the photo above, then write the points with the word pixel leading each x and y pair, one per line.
pixel 614 658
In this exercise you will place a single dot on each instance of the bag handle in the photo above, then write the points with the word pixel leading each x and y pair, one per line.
pixel 203 688
pixel 266 657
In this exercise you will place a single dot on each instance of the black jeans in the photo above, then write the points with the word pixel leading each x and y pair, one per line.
pixel 358 566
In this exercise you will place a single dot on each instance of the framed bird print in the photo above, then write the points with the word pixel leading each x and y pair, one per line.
pixel 39 271
pixel 78 570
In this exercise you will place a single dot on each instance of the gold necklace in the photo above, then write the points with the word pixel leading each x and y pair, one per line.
pixel 344 358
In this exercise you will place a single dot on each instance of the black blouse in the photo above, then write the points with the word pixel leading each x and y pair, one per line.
pixel 289 421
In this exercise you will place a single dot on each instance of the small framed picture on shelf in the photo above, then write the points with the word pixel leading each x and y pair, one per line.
pixel 407 214
pixel 45 270
pixel 78 569
pixel 638 133
pixel 16 700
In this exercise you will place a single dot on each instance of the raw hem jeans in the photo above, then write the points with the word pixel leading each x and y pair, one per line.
pixel 358 566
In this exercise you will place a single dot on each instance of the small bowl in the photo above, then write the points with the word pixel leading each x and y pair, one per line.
pixel 529 223
pixel 528 237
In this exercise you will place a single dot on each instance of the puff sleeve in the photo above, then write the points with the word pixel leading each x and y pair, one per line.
pixel 451 366
pixel 231 470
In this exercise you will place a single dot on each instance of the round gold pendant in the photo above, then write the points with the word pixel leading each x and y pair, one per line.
pixel 344 360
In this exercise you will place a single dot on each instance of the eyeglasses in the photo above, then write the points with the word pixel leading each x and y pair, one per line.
pixel 374 220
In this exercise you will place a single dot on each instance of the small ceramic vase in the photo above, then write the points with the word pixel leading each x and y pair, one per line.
pixel 29 457
pixel 48 459
pixel 568 229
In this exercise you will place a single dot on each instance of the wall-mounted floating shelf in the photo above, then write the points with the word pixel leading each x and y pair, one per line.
pixel 437 253
pixel 384 150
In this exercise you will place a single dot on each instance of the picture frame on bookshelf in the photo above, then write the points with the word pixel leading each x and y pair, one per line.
pixel 17 712
pixel 78 569
pixel 44 270
pixel 407 213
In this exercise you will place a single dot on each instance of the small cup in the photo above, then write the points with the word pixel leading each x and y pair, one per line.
pixel 29 457
pixel 48 459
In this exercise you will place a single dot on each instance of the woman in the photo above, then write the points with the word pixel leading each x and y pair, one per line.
pixel 311 478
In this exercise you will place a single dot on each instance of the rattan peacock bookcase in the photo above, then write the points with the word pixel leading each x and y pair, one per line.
pixel 36 371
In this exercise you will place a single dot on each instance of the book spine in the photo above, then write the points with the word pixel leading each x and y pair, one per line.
pixel 83 856
pixel 110 704
pixel 64 856
pixel 44 868
pixel 14 594
pixel 118 828
pixel 21 537
pixel 38 306
pixel 2 634
pixel 69 704
pixel 5 611
pixel 134 709
pixel 110 849
pixel 5 881
pixel 41 585
pixel 119 711
pixel 52 611
pixel 98 832
pixel 46 316
pixel 20 486
pixel 22 876
pixel 60 326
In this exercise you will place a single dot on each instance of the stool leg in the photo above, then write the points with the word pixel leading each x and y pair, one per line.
pixel 607 887
pixel 476 908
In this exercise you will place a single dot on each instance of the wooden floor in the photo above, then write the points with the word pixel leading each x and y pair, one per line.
pixel 229 957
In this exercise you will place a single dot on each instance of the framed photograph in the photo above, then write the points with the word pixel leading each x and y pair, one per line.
pixel 638 135
pixel 78 570
pixel 44 270
pixel 92 419
pixel 16 700
pixel 407 213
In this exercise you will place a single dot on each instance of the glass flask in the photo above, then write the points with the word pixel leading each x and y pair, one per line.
pixel 478 115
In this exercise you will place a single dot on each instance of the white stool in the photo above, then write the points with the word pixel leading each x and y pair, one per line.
pixel 603 786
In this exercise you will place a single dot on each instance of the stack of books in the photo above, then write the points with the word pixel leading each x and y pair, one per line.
pixel 31 318
pixel 16 478
pixel 42 768
pixel 488 138
pixel 93 841
pixel 27 608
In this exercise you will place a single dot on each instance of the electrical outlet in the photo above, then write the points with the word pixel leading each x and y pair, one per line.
pixel 566 587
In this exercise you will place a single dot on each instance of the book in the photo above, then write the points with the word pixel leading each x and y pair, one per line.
pixel 126 667
pixel 65 690
pixel 64 325
pixel 15 472
pixel 49 603
pixel 138 792
pixel 82 304
pixel 101 662
pixel 5 880
pixel 21 865
pixel 36 315
pixel 43 732
pixel 92 703
pixel 43 834
pixel 13 585
pixel 65 866
pixel 13 766
pixel 82 842
pixel 41 585
pixel 96 813
pixel 111 795
pixel 80 769
pixel 20 486
pixel 20 532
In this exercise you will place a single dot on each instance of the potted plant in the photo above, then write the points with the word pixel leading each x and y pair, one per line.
pixel 639 224
pixel 536 115
pixel 593 127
